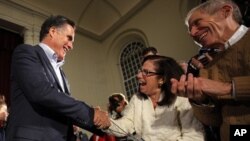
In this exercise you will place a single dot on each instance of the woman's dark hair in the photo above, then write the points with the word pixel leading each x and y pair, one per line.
pixel 149 49
pixel 56 21
pixel 167 68
pixel 114 101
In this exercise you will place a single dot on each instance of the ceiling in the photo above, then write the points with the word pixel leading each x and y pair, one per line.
pixel 94 18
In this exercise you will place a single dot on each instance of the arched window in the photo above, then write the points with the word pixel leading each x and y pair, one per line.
pixel 130 62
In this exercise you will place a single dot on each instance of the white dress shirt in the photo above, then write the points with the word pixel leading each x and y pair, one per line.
pixel 53 60
pixel 241 31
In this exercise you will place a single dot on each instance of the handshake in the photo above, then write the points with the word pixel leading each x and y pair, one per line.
pixel 101 119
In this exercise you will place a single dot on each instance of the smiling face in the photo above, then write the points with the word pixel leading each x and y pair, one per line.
pixel 62 39
pixel 207 30
pixel 212 30
pixel 149 84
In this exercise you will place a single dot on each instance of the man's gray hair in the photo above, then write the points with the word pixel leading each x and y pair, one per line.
pixel 212 6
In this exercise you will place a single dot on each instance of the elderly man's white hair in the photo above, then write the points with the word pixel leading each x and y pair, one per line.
pixel 212 6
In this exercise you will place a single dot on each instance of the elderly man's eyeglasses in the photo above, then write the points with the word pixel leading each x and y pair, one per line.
pixel 147 72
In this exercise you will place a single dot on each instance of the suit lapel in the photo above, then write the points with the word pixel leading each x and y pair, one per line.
pixel 65 82
pixel 48 67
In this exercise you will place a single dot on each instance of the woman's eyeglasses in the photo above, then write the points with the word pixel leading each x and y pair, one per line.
pixel 147 72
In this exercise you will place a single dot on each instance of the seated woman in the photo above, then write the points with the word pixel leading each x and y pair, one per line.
pixel 155 114
pixel 117 103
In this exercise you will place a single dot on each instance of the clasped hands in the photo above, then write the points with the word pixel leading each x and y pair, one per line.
pixel 101 118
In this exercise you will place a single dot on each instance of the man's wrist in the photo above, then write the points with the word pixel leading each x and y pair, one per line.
pixel 204 100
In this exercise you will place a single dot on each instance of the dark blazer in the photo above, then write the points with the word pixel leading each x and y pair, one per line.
pixel 40 110
pixel 2 134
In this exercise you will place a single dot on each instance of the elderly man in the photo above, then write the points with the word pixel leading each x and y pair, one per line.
pixel 220 94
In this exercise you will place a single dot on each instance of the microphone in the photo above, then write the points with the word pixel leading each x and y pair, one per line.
pixel 201 57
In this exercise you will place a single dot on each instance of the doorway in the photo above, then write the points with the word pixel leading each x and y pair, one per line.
pixel 8 41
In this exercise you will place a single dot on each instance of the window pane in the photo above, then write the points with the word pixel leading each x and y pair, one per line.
pixel 130 62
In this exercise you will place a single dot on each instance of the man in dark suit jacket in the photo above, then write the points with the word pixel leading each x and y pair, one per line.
pixel 41 106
